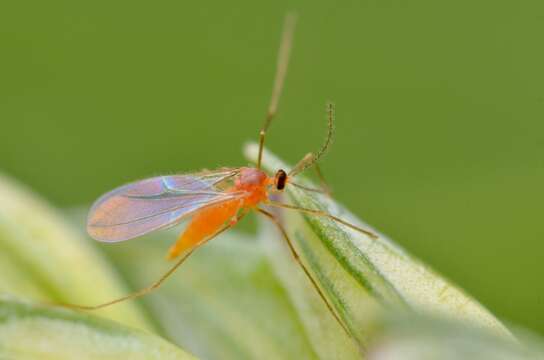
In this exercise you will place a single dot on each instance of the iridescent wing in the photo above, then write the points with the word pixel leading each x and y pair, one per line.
pixel 141 207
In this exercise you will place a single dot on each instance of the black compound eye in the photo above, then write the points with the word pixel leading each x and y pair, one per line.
pixel 281 179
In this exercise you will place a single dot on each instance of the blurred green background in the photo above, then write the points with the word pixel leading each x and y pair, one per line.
pixel 440 109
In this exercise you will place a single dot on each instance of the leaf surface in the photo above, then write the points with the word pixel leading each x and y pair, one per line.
pixel 362 278
pixel 43 257
pixel 33 332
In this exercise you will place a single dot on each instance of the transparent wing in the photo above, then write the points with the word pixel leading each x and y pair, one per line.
pixel 141 207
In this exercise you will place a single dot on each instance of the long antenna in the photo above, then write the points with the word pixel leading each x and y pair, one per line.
pixel 330 132
pixel 311 158
pixel 281 71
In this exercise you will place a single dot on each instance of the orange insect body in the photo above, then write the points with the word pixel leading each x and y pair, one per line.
pixel 209 220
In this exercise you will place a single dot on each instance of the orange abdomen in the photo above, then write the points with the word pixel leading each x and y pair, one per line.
pixel 204 224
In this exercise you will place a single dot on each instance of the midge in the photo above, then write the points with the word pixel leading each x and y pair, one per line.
pixel 213 200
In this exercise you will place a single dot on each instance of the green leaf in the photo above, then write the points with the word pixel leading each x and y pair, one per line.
pixel 224 302
pixel 44 258
pixel 409 337
pixel 362 278
pixel 31 332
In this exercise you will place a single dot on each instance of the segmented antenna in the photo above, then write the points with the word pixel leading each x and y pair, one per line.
pixel 310 159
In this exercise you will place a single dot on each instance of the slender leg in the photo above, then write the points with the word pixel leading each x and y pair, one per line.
pixel 324 214
pixel 324 184
pixel 151 287
pixel 306 271
pixel 281 71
